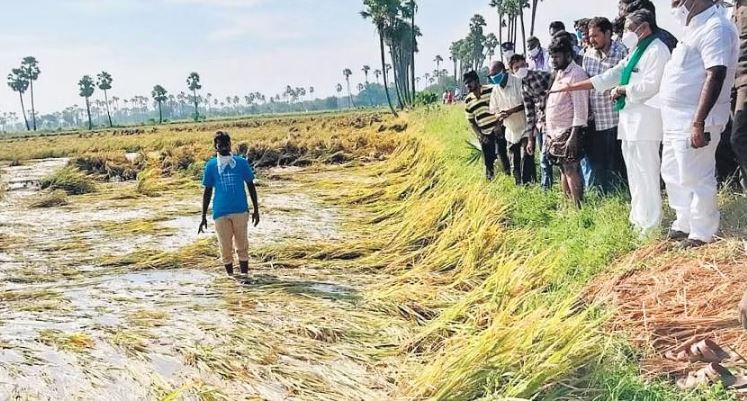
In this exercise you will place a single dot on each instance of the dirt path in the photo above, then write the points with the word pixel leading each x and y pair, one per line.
pixel 74 328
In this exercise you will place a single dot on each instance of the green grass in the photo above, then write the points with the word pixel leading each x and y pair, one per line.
pixel 491 274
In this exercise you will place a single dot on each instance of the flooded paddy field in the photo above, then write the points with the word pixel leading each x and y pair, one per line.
pixel 113 295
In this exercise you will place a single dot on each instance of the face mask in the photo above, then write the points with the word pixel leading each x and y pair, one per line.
pixel 681 13
pixel 630 39
pixel 523 72
pixel 534 52
pixel 580 35
pixel 497 79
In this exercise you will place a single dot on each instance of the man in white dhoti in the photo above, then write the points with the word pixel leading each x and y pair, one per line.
pixel 635 83
pixel 695 100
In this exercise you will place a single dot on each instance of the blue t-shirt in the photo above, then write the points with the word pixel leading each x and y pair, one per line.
pixel 230 187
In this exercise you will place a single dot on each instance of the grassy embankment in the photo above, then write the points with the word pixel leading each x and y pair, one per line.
pixel 492 276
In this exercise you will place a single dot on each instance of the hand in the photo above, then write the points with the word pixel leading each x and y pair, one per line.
pixel 697 139
pixel 617 93
pixel 572 146
pixel 502 115
pixel 203 226
pixel 742 316
pixel 255 218
pixel 530 146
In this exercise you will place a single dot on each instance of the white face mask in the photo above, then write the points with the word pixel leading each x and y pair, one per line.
pixel 630 39
pixel 534 52
pixel 681 13
pixel 522 72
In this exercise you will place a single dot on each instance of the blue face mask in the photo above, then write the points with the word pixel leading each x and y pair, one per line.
pixel 497 79
pixel 580 35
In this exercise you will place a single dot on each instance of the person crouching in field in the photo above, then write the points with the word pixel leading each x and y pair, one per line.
pixel 227 175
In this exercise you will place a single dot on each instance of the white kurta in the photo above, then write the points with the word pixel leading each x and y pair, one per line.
pixel 640 130
pixel 710 40
pixel 508 98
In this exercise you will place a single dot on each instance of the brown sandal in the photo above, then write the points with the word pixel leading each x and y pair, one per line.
pixel 701 351
pixel 711 374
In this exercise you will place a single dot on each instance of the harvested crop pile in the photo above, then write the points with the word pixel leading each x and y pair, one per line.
pixel 667 298
pixel 109 165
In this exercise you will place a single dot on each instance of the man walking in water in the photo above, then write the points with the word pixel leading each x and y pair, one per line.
pixel 228 174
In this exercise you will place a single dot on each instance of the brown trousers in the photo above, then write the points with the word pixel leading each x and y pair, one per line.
pixel 232 233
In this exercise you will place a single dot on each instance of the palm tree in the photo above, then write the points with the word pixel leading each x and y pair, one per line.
pixel 491 43
pixel 338 88
pixel 347 73
pixel 438 60
pixel 413 7
pixel 311 91
pixel 193 81
pixel 535 3
pixel 159 95
pixel 105 83
pixel 377 74
pixel 365 70
pixel 86 86
pixel 380 11
pixel 19 83
pixel 31 71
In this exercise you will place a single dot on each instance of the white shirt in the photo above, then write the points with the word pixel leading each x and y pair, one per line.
pixel 508 98
pixel 639 120
pixel 710 40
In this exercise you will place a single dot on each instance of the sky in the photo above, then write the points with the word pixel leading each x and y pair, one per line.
pixel 237 46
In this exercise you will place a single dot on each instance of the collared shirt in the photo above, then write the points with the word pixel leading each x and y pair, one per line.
pixel 506 98
pixel 710 40
pixel 596 63
pixel 566 110
pixel 534 91
pixel 477 109
pixel 541 62
pixel 639 119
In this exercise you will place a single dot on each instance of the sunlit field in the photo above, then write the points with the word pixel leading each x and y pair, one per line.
pixel 386 269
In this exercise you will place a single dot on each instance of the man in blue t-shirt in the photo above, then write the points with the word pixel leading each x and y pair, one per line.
pixel 227 175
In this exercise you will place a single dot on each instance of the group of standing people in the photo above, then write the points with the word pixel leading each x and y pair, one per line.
pixel 623 103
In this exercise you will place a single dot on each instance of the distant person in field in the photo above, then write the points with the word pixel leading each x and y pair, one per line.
pixel 507 103
pixel 535 85
pixel 567 115
pixel 227 175
pixel 485 124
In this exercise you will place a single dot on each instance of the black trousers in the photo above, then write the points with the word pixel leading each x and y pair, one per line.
pixel 605 163
pixel 739 134
pixel 494 146
pixel 523 168
pixel 727 166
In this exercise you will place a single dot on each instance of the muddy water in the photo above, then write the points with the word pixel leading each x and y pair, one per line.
pixel 71 329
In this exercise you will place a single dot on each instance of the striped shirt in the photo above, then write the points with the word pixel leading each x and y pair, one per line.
pixel 602 106
pixel 535 88
pixel 478 110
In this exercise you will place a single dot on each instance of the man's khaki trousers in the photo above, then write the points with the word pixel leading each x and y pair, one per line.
pixel 232 233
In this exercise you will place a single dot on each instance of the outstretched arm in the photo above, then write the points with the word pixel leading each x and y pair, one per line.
pixel 578 86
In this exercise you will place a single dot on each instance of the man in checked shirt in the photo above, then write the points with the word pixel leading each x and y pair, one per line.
pixel 535 85
pixel 603 166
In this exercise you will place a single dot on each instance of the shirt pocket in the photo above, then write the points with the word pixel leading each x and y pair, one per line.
pixel 679 55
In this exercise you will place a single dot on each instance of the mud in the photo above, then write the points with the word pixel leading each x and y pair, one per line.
pixel 73 329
